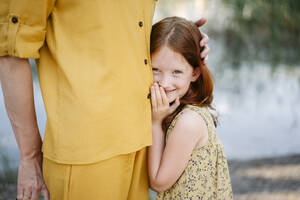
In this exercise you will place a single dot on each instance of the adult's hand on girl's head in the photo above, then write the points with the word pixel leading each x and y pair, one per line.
pixel 204 42
pixel 30 179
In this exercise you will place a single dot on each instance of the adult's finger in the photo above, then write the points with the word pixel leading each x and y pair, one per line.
pixel 45 193
pixel 20 191
pixel 35 195
pixel 205 52
pixel 27 194
pixel 200 22
pixel 205 39
pixel 205 60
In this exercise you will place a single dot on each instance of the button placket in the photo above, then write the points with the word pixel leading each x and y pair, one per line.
pixel 141 24
pixel 12 32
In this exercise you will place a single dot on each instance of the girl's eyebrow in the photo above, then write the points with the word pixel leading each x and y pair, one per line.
pixel 180 67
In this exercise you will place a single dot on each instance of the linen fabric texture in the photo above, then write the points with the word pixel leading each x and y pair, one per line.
pixel 93 61
pixel 122 177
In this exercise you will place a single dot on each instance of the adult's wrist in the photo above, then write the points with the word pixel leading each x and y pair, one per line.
pixel 32 156
pixel 31 152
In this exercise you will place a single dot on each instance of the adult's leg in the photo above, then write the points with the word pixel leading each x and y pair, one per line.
pixel 57 178
pixel 119 178
pixel 108 179
pixel 139 188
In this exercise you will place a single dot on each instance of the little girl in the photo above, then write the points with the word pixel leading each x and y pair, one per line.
pixel 186 160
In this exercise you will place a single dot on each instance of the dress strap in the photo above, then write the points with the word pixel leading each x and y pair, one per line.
pixel 170 128
pixel 202 111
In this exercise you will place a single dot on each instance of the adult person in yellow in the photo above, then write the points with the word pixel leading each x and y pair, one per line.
pixel 94 71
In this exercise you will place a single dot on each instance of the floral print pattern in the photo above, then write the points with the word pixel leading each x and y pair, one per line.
pixel 206 176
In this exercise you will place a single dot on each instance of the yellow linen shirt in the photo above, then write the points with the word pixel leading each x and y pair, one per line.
pixel 94 70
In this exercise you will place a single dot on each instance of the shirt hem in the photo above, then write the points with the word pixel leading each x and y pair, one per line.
pixel 99 159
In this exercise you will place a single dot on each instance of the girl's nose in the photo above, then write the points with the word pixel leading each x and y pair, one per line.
pixel 164 82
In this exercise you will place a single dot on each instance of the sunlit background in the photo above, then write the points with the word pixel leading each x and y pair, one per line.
pixel 255 60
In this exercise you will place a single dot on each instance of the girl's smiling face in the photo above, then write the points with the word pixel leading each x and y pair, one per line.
pixel 172 72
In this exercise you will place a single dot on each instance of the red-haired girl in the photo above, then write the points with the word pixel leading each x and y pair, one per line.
pixel 186 159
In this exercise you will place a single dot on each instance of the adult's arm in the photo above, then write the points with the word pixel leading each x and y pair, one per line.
pixel 23 26
pixel 16 82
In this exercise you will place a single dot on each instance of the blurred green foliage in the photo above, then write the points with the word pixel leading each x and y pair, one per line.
pixel 8 174
pixel 8 178
pixel 266 30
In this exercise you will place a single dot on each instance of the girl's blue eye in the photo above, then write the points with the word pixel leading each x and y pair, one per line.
pixel 177 72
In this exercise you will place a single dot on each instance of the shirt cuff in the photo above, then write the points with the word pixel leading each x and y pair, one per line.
pixel 20 40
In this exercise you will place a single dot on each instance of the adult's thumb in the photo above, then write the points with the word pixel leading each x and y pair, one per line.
pixel 45 193
pixel 200 22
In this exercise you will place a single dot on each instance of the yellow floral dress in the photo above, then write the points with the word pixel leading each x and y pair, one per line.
pixel 206 176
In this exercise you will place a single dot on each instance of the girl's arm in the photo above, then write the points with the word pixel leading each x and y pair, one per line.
pixel 155 153
pixel 166 163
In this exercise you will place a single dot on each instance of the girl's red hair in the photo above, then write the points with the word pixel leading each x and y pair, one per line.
pixel 184 37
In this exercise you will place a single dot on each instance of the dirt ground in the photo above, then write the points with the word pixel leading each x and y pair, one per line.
pixel 266 179
pixel 262 179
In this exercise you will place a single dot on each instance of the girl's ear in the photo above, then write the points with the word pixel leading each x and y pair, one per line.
pixel 196 74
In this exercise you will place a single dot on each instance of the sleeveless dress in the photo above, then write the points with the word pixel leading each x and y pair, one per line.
pixel 206 176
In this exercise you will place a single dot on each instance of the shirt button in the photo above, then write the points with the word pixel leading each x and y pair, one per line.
pixel 14 20
pixel 140 23
pixel 146 61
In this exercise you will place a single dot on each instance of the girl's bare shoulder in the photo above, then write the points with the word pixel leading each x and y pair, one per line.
pixel 192 123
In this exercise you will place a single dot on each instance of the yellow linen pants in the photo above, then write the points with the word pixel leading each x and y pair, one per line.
pixel 118 178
